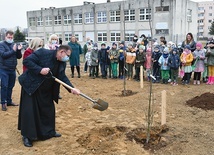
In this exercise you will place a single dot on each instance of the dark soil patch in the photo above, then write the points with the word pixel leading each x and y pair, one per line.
pixel 205 101
pixel 155 141
pixel 127 93
pixel 97 140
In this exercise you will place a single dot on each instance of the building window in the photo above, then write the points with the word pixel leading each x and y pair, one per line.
pixel 210 14
pixel 57 20
pixel 89 17
pixel 102 36
pixel 201 21
pixel 162 31
pixel 189 15
pixel 210 7
pixel 129 15
pixel 115 36
pixel 78 18
pixel 67 36
pixel 200 8
pixel 48 20
pixel 115 16
pixel 67 19
pixel 101 17
pixel 129 36
pixel 209 21
pixel 39 21
pixel 77 36
pixel 162 8
pixel 32 21
pixel 145 14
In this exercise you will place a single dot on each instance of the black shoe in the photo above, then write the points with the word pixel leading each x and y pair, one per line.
pixel 57 134
pixel 12 104
pixel 79 76
pixel 27 142
pixel 72 76
pixel 4 107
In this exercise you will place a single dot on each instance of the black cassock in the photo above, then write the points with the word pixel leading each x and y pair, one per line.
pixel 37 111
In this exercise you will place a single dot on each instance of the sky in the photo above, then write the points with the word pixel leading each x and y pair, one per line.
pixel 13 12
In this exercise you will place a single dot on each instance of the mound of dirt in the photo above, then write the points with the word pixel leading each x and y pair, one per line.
pixel 204 101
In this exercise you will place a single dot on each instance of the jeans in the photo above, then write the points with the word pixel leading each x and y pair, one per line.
pixel 8 79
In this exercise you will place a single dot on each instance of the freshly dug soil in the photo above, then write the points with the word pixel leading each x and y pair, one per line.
pixel 204 101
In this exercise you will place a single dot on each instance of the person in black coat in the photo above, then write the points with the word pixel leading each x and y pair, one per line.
pixel 39 91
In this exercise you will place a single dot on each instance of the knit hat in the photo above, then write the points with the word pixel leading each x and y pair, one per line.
pixel 103 43
pixel 95 45
pixel 141 47
pixel 122 42
pixel 187 47
pixel 130 44
pixel 211 42
pixel 198 44
pixel 114 44
pixel 175 49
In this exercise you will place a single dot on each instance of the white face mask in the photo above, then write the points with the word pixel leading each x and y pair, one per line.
pixel 54 41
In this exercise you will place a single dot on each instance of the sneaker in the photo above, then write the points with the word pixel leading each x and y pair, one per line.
pixel 175 84
pixel 194 82
pixel 169 80
pixel 198 82
pixel 172 83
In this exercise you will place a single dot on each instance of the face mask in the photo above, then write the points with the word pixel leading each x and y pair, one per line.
pixel 65 58
pixel 95 48
pixel 10 41
pixel 53 41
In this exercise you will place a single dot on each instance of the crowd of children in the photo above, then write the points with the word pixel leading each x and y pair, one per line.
pixel 165 62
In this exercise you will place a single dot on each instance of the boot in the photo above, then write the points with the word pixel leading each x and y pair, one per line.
pixel 212 80
pixel 209 80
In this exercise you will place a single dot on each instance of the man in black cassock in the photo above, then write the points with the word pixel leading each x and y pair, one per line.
pixel 39 91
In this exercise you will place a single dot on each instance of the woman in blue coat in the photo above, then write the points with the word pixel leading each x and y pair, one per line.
pixel 75 55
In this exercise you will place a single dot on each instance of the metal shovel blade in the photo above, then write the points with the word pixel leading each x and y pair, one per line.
pixel 100 105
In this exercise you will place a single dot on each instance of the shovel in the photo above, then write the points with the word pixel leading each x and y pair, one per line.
pixel 97 104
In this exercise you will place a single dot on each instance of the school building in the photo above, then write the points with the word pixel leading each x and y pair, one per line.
pixel 115 21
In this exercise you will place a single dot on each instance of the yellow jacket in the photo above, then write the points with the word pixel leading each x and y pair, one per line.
pixel 186 59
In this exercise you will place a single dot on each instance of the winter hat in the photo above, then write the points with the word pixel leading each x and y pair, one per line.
pixel 141 47
pixel 187 47
pixel 175 49
pixel 130 44
pixel 122 42
pixel 157 47
pixel 198 44
pixel 95 45
pixel 103 43
pixel 166 50
pixel 211 42
pixel 114 44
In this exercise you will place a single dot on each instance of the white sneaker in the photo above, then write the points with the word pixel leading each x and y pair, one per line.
pixel 169 80
pixel 198 82
pixel 194 82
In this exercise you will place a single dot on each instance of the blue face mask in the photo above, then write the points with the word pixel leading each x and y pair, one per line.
pixel 65 58
pixel 10 41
